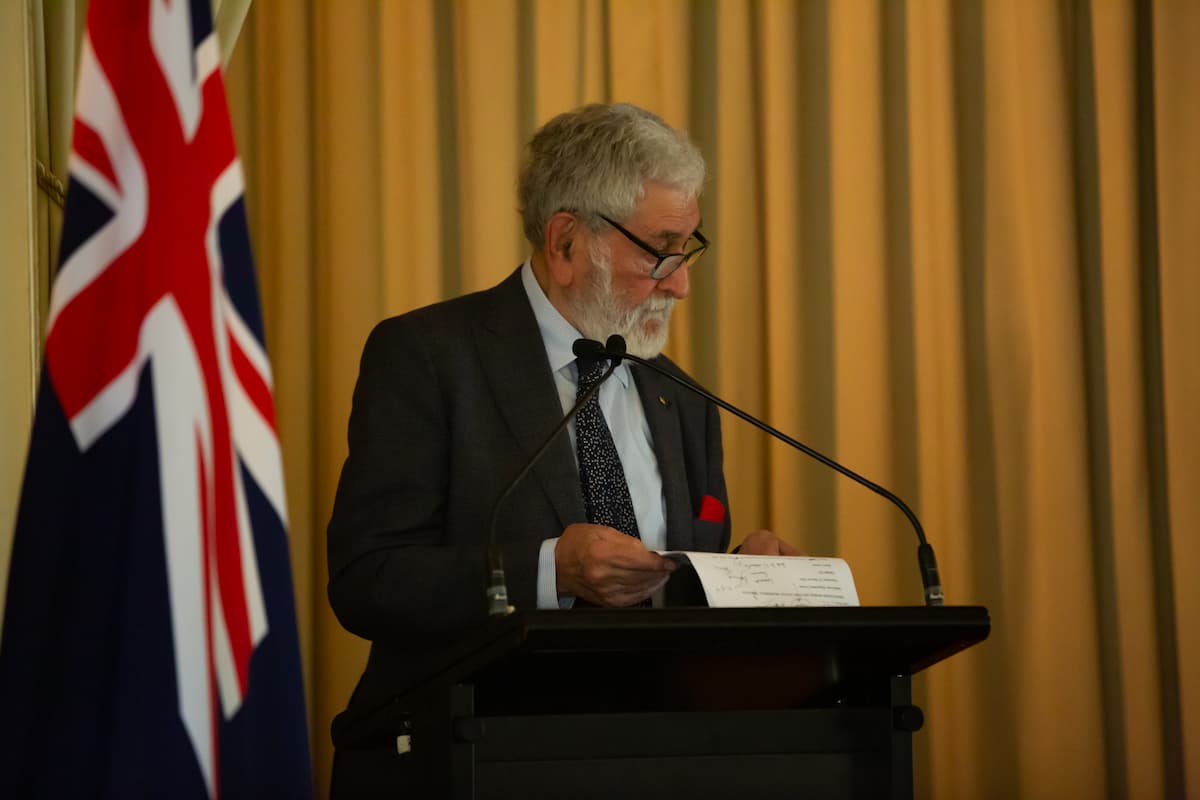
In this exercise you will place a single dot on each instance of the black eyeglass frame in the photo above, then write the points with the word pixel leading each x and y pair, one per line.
pixel 684 257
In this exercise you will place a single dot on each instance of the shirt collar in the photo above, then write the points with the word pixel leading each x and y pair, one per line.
pixel 558 335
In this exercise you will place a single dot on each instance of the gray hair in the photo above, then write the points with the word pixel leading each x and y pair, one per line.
pixel 596 160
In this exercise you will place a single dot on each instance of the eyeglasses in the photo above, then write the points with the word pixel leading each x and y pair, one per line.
pixel 667 263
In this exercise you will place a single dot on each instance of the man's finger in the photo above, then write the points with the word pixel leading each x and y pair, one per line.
pixel 648 562
pixel 629 580
pixel 630 596
pixel 788 549
pixel 621 550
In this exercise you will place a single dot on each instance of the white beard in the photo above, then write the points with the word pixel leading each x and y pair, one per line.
pixel 599 313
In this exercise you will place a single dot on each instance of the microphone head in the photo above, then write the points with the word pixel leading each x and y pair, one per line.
pixel 615 346
pixel 588 348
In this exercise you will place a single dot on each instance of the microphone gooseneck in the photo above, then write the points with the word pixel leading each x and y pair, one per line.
pixel 497 592
pixel 615 350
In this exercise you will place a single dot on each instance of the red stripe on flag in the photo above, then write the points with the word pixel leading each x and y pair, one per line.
pixel 256 388
pixel 88 146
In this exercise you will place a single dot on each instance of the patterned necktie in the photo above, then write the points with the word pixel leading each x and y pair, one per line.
pixel 605 492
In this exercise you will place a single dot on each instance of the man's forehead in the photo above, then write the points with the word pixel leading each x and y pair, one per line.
pixel 666 211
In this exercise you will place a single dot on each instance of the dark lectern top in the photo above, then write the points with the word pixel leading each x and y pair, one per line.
pixel 689 657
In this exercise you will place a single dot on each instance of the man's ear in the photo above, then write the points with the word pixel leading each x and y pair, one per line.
pixel 561 248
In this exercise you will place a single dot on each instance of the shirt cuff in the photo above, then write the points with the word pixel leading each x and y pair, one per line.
pixel 547 579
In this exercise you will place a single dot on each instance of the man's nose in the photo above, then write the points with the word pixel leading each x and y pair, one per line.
pixel 676 283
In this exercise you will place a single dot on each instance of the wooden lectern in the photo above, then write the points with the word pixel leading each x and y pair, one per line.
pixel 679 703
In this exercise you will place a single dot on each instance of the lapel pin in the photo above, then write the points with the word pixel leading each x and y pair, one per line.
pixel 664 402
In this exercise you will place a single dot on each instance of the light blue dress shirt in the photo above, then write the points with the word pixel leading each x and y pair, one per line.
pixel 622 408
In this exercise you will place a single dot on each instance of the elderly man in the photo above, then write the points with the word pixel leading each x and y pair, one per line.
pixel 453 399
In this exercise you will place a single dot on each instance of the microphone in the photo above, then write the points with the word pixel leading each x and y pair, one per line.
pixel 497 591
pixel 614 349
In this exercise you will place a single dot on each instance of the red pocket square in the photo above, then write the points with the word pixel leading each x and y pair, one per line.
pixel 712 509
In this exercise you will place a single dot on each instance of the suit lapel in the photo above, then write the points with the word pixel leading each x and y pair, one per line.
pixel 514 361
pixel 662 415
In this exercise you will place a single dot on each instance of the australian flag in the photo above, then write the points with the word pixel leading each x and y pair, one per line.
pixel 149 644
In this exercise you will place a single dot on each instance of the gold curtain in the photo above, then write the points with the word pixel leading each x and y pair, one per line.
pixel 955 247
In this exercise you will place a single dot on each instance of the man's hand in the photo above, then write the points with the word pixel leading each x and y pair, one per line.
pixel 606 567
pixel 765 543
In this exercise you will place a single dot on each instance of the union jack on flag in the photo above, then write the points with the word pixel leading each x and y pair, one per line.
pixel 149 644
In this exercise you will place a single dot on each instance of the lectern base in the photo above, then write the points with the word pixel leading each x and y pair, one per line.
pixel 837 752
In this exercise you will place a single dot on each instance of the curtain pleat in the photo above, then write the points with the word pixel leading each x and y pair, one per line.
pixel 1169 181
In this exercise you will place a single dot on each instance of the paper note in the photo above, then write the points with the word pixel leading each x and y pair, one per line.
pixel 737 581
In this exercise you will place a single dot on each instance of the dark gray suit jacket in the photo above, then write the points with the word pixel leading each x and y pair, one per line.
pixel 451 401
